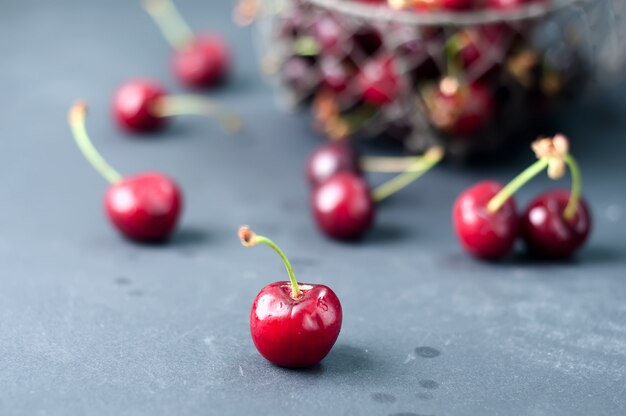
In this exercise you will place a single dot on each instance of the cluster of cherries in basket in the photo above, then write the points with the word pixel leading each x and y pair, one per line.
pixel 554 225
pixel 146 207
pixel 370 77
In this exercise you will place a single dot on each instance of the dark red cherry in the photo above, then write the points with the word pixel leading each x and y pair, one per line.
pixel 343 207
pixel 453 5
pixel 461 109
pixel 295 333
pixel 330 36
pixel 144 207
pixel 488 236
pixel 379 80
pixel 329 159
pixel 545 230
pixel 203 62
pixel 133 104
pixel 335 75
pixel 367 40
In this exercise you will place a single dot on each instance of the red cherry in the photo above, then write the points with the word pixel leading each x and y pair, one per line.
pixel 343 206
pixel 292 325
pixel 335 75
pixel 545 230
pixel 330 36
pixel 461 109
pixel 295 333
pixel 488 236
pixel 330 159
pixel 133 106
pixel 144 207
pixel 202 62
pixel 457 4
pixel 379 80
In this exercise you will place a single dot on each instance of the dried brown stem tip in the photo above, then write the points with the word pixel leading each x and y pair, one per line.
pixel 77 112
pixel 556 150
pixel 247 236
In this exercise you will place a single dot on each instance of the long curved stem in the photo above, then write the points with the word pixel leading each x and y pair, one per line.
pixel 419 167
pixel 174 105
pixel 381 164
pixel 174 28
pixel 572 205
pixel 250 239
pixel 520 180
pixel 77 123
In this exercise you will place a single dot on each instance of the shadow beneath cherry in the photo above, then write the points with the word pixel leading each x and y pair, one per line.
pixel 592 255
pixel 385 233
pixel 189 236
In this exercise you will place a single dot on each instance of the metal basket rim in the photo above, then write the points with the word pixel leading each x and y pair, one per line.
pixel 467 18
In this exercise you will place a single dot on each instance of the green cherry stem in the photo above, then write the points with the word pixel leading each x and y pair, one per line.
pixel 414 171
pixel 572 205
pixel 170 22
pixel 520 180
pixel 174 105
pixel 249 239
pixel 77 124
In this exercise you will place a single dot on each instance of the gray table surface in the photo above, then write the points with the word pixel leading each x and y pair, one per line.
pixel 93 325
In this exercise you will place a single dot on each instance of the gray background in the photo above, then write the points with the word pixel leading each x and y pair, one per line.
pixel 92 324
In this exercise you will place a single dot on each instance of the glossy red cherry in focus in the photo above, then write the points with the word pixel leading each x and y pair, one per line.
pixel 330 159
pixel 343 206
pixel 379 80
pixel 293 325
pixel 547 232
pixel 488 236
pixel 144 207
pixel 202 62
pixel 134 106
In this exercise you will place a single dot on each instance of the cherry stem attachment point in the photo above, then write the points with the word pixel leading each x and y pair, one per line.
pixel 77 123
pixel 250 239
pixel 414 171
pixel 572 205
pixel 520 180
pixel 174 28
pixel 174 105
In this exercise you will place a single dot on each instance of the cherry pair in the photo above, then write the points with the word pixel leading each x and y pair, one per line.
pixel 342 203
pixel 554 225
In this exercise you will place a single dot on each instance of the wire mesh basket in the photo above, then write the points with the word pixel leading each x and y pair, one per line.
pixel 466 80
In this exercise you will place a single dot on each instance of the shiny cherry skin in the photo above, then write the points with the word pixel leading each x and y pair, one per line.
pixel 145 207
pixel 484 235
pixel 379 80
pixel 547 233
pixel 465 112
pixel 454 5
pixel 295 333
pixel 330 159
pixel 343 207
pixel 204 62
pixel 132 106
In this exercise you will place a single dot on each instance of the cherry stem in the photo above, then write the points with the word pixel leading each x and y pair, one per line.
pixel 386 164
pixel 414 171
pixel 174 28
pixel 520 180
pixel 572 205
pixel 174 105
pixel 77 123
pixel 249 239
